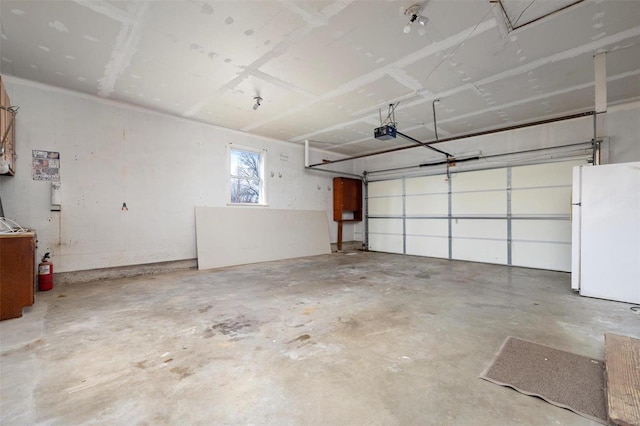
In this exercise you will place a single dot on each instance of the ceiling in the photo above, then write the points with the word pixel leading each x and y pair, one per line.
pixel 325 69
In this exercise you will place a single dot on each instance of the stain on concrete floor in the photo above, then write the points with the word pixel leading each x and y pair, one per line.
pixel 240 345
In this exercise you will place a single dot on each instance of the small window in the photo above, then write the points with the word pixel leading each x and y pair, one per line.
pixel 246 177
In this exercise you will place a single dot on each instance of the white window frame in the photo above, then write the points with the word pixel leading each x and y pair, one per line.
pixel 262 200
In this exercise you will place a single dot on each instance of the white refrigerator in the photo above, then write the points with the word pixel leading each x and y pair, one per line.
pixel 605 261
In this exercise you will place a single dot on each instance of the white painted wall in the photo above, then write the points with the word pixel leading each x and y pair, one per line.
pixel 623 128
pixel 161 166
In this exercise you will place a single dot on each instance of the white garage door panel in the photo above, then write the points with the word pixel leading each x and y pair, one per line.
pixel 385 226
pixel 435 204
pixel 480 228
pixel 428 246
pixel 553 256
pixel 388 187
pixel 426 185
pixel 385 243
pixel 385 206
pixel 428 227
pixel 479 203
pixel 468 242
pixel 480 180
pixel 541 230
pixel 487 251
pixel 552 174
pixel 541 201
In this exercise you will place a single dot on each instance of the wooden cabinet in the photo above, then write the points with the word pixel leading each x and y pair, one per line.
pixel 347 202
pixel 7 131
pixel 17 273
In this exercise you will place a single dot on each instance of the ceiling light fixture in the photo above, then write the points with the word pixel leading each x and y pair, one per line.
pixel 415 15
pixel 258 100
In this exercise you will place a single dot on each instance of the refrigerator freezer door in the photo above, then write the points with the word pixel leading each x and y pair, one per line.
pixel 575 228
pixel 610 232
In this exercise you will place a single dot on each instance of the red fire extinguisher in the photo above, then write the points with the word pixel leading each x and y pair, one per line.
pixel 45 274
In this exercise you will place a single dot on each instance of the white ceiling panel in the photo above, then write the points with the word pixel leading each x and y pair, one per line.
pixel 240 32
pixel 466 102
pixel 377 92
pixel 583 26
pixel 612 17
pixel 624 57
pixel 487 54
pixel 437 73
pixel 420 112
pixel 353 149
pixel 420 133
pixel 470 124
pixel 415 112
pixel 67 44
pixel 281 133
pixel 354 28
pixel 582 99
pixel 624 88
pixel 324 68
pixel 320 145
pixel 453 17
pixel 326 116
pixel 543 80
pixel 373 145
pixel 235 106
pixel 342 135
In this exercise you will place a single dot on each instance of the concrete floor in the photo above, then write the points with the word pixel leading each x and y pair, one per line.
pixel 341 339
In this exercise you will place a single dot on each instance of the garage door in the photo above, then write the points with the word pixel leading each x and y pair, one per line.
pixel 511 216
